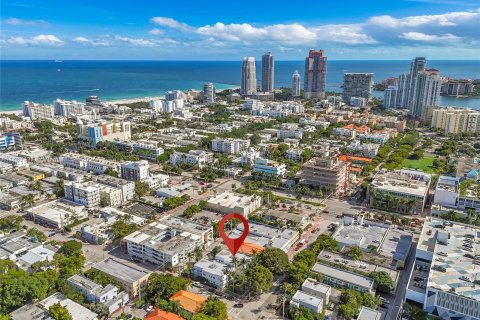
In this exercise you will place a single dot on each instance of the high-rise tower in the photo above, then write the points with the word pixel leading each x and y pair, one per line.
pixel 268 64
pixel 315 74
pixel 296 84
pixel 208 92
pixel 249 80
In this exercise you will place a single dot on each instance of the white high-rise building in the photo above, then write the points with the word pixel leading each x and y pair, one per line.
pixel 419 88
pixel 390 97
pixel 67 109
pixel 268 64
pixel 249 76
pixel 296 84
pixel 208 93
pixel 37 111
pixel 315 75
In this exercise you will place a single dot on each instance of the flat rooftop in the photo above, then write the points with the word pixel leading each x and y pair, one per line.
pixel 343 275
pixel 213 267
pixel 402 182
pixel 361 235
pixel 306 298
pixel 119 270
pixel 231 200
pixel 267 236
pixel 369 314
pixel 451 256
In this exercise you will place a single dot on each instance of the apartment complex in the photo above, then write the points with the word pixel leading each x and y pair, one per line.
pixel 135 170
pixel 445 275
pixel 168 241
pixel 198 158
pixel 456 120
pixel 315 75
pixel 10 140
pixel 229 202
pixel 143 148
pixel 403 190
pixel 103 130
pixel 357 85
pixel 37 111
pixel 68 109
pixel 453 87
pixel 248 85
pixel 268 71
pixel 312 295
pixel 86 163
pixel 230 145
pixel 93 194
pixel 57 213
pixel 328 174
pixel 339 278
pixel 269 167
pixel 390 97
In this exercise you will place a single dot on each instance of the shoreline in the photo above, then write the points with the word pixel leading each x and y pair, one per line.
pixel 124 100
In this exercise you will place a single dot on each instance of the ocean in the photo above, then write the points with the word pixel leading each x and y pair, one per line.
pixel 44 81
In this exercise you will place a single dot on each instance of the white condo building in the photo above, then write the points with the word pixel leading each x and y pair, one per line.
pixel 198 158
pixel 249 77
pixel 37 111
pixel 296 84
pixel 208 93
pixel 135 170
pixel 230 146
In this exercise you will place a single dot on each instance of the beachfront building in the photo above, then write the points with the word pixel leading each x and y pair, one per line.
pixel 248 85
pixel 37 111
pixel 315 75
pixel 268 67
pixel 357 85
pixel 296 84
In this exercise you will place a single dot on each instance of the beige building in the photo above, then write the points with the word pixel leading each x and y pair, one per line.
pixel 132 279
pixel 328 174
pixel 456 120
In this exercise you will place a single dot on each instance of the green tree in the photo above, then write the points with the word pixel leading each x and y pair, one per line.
pixel 141 188
pixel 201 316
pixel 11 222
pixel 355 253
pixel 59 312
pixel 215 309
pixel 59 188
pixel 122 229
pixel 383 281
pixel 70 248
pixel 258 279
pixel 34 232
pixel 274 259
pixel 163 286
pixel 109 171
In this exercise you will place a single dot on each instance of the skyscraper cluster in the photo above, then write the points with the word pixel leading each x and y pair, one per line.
pixel 315 75
pixel 419 88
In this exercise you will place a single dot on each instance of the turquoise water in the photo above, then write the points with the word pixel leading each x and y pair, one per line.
pixel 45 81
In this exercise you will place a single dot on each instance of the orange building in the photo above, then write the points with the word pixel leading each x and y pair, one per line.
pixel 250 248
pixel 158 314
pixel 188 300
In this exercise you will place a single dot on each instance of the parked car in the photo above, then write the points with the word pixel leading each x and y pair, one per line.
pixel 238 305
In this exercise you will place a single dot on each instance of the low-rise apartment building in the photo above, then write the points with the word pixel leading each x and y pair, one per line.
pixel 230 146
pixel 135 170
pixel 339 278
pixel 198 158
pixel 269 167
pixel 87 163
pixel 229 202
pixel 403 190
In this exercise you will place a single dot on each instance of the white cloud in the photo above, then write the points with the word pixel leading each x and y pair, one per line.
pixel 138 42
pixel 156 32
pixel 21 22
pixel 378 30
pixel 445 20
pixel 42 39
pixel 418 36
pixel 170 23
pixel 95 42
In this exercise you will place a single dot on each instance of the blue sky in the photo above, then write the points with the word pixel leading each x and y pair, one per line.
pixel 221 30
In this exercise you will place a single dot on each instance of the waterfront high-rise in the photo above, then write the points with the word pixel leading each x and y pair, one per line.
pixel 358 85
pixel 208 92
pixel 268 66
pixel 315 75
pixel 296 84
pixel 419 88
pixel 390 97
pixel 249 76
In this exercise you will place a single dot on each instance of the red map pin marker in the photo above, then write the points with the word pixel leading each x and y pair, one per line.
pixel 233 244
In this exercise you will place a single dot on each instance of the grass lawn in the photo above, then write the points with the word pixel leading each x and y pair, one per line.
pixel 424 164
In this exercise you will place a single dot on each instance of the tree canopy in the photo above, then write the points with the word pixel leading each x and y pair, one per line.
pixel 163 286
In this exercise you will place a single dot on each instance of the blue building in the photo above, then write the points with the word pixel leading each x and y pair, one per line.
pixel 10 139
pixel 269 167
